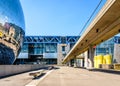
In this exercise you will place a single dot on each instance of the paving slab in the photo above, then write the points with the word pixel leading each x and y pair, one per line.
pixel 17 80
pixel 68 76
pixel 64 76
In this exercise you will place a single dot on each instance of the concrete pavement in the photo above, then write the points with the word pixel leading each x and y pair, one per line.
pixel 16 80
pixel 64 76
pixel 67 76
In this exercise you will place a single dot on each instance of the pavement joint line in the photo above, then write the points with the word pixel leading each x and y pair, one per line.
pixel 36 81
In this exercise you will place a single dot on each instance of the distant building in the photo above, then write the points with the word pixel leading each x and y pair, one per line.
pixel 48 49
pixel 110 46
pixel 52 49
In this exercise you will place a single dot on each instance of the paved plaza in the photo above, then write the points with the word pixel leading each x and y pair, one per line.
pixel 67 76
pixel 64 76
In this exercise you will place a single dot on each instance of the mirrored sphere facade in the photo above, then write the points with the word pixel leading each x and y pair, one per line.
pixel 12 30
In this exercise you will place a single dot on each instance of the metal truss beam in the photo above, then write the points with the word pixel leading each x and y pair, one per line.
pixel 51 39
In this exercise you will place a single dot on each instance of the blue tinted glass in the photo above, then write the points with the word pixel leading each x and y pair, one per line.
pixel 12 29
pixel 11 11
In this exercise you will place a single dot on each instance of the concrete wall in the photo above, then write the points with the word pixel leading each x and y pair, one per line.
pixel 6 70
pixel 116 53
pixel 60 53
pixel 86 59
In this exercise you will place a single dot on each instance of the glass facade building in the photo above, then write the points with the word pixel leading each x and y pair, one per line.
pixel 111 47
pixel 52 49
pixel 106 47
pixel 12 29
pixel 45 48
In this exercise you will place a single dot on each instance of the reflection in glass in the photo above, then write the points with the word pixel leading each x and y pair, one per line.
pixel 12 28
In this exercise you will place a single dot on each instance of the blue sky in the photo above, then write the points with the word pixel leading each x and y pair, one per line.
pixel 57 17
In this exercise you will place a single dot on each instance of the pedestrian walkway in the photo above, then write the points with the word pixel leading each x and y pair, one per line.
pixel 16 80
pixel 64 76
pixel 19 79
pixel 68 76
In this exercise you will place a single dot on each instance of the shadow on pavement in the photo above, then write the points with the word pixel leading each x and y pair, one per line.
pixel 39 76
pixel 53 67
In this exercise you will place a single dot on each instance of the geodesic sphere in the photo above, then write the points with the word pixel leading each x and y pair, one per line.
pixel 12 30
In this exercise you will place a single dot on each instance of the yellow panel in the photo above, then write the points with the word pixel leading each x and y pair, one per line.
pixel 1 34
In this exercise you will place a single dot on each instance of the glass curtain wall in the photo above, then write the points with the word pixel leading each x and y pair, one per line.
pixel 24 48
pixel 51 48
pixel 106 47
pixel 40 48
